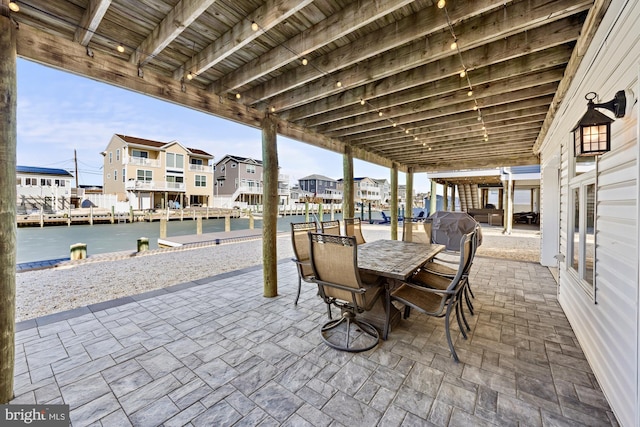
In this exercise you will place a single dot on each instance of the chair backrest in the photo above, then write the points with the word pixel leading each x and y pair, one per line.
pixel 418 232
pixel 300 243
pixel 330 227
pixel 334 259
pixel 353 227
pixel 466 256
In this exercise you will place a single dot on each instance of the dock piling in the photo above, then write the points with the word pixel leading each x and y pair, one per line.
pixel 78 251
pixel 143 244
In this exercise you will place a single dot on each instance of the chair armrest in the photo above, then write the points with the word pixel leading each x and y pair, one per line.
pixel 424 288
pixel 341 287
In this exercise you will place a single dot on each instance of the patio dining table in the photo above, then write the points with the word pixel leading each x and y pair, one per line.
pixel 394 260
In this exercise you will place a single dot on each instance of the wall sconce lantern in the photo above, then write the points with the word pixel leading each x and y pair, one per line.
pixel 592 134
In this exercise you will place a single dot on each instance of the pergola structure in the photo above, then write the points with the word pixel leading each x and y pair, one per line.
pixel 413 85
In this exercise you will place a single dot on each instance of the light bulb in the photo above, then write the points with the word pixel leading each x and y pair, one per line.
pixel 338 83
pixel 394 125
pixel 475 108
pixel 463 73
pixel 304 61
pixel 429 148
pixel 470 93
pixel 14 6
pixel 120 48
pixel 189 76
pixel 424 144
pixel 407 131
pixel 454 45
pixel 441 4
pixel 254 26
pixel 380 113
pixel 362 102
pixel 238 96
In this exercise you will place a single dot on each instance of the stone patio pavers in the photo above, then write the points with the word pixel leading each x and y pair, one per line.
pixel 217 353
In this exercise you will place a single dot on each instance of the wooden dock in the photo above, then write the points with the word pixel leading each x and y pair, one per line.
pixel 208 238
pixel 102 216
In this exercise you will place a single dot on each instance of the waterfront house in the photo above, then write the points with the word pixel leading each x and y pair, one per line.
pixel 238 182
pixel 47 189
pixel 152 174
pixel 321 188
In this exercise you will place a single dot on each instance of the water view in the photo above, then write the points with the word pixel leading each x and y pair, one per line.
pixel 38 244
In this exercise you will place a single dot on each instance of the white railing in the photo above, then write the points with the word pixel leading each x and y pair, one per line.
pixel 201 168
pixel 154 185
pixel 141 161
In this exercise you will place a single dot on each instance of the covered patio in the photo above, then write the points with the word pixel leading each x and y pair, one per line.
pixel 215 352
pixel 415 86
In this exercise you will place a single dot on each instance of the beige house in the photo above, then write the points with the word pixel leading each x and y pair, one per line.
pixel 151 174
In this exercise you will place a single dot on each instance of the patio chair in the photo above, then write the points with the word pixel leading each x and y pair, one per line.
pixel 330 227
pixel 434 295
pixel 353 227
pixel 418 232
pixel 300 242
pixel 334 260
pixel 443 267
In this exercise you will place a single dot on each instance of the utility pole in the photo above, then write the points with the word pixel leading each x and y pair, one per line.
pixel 75 162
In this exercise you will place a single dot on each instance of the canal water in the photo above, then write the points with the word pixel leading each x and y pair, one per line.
pixel 53 242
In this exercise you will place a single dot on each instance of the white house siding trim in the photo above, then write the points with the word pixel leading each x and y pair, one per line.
pixel 608 330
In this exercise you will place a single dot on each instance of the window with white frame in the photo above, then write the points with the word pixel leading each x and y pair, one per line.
pixel 144 175
pixel 115 175
pixel 581 235
pixel 118 155
pixel 140 154
pixel 124 174
pixel 251 168
pixel 175 160
pixel 201 180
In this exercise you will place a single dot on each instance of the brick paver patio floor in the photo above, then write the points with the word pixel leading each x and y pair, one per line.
pixel 217 353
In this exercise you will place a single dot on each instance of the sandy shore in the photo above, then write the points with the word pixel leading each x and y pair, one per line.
pixel 106 277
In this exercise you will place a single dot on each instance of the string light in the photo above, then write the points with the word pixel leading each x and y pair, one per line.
pixel 304 61
pixel 14 6
pixel 254 26
pixel 470 93
pixel 454 45
pixel 362 101
pixel 441 4
pixel 120 48
pixel 338 83
pixel 238 96
pixel 380 113
pixel 273 109
pixel 463 73
pixel 189 76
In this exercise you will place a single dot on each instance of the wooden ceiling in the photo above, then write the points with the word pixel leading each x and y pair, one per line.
pixel 400 100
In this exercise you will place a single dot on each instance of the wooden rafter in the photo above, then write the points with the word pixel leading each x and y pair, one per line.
pixel 90 20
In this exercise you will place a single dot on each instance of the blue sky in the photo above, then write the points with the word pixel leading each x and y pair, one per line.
pixel 59 112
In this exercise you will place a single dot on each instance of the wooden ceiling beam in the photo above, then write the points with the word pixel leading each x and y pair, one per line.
pixel 395 70
pixel 477 163
pixel 338 25
pixel 420 99
pixel 267 16
pixel 515 108
pixel 420 112
pixel 473 127
pixel 416 90
pixel 176 21
pixel 417 25
pixel 455 124
pixel 91 20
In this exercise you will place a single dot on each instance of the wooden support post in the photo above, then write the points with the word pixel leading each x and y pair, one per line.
pixel 78 251
pixel 131 217
pixel 409 204
pixel 143 244
pixel 348 210
pixel 251 221
pixel 445 197
pixel 199 225
pixel 113 214
pixel 227 223
pixel 306 211
pixel 270 207
pixel 434 198
pixel 91 215
pixel 41 215
pixel 394 202
pixel 163 228
pixel 8 201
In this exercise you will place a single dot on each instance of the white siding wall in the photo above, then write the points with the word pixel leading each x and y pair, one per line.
pixel 608 329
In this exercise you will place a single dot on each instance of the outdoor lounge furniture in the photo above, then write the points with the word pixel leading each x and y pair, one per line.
pixel 334 260
pixel 353 227
pixel 330 227
pixel 434 295
pixel 300 242
pixel 385 218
